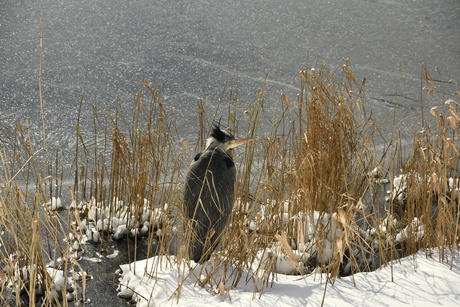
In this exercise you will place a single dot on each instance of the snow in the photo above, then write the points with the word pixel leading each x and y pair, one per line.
pixel 418 280
pixel 117 218
pixel 55 204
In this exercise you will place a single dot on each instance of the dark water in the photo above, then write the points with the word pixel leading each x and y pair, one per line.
pixel 194 49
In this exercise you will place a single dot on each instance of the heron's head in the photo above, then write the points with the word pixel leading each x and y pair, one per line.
pixel 224 140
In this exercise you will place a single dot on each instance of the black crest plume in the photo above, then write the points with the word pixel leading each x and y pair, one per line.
pixel 218 134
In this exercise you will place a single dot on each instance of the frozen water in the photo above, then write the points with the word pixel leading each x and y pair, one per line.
pixel 193 50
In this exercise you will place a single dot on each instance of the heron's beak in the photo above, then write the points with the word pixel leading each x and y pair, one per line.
pixel 238 142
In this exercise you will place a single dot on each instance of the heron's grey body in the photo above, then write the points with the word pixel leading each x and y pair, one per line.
pixel 209 193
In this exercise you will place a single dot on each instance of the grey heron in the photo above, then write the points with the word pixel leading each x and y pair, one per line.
pixel 209 192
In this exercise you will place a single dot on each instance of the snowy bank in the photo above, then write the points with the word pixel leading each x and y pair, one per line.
pixel 418 280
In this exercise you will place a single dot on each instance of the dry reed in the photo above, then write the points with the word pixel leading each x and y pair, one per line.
pixel 306 191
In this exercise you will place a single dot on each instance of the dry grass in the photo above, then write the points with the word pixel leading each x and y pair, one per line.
pixel 308 190
pixel 31 234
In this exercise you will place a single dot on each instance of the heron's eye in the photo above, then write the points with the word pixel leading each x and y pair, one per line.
pixel 197 157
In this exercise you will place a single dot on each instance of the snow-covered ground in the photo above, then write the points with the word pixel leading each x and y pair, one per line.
pixel 418 280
